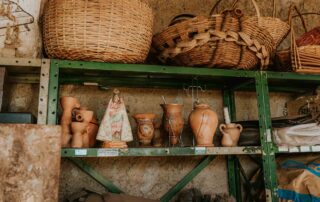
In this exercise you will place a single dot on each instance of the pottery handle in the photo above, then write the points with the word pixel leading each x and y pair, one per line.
pixel 222 127
pixel 240 127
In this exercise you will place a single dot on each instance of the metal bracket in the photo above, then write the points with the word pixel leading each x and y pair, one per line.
pixel 43 91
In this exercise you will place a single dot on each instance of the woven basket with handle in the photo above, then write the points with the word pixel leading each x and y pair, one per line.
pixel 227 40
pixel 305 58
pixel 98 30
pixel 275 26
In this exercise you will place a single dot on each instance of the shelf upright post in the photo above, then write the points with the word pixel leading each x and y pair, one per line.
pixel 232 163
pixel 268 156
pixel 53 92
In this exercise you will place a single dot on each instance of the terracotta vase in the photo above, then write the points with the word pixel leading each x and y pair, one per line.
pixel 145 128
pixel 68 104
pixel 78 129
pixel 157 140
pixel 203 122
pixel 85 116
pixel 173 121
pixel 231 134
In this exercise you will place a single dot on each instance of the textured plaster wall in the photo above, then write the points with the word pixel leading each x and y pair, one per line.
pixel 152 177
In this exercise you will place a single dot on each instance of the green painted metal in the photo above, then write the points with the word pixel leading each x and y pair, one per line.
pixel 53 93
pixel 268 156
pixel 292 76
pixel 95 175
pixel 166 151
pixel 153 69
pixel 186 179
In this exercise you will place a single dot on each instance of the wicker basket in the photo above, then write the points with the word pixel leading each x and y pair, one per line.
pixel 98 30
pixel 277 28
pixel 306 58
pixel 225 40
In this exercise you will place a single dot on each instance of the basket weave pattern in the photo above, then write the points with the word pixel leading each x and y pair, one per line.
pixel 98 30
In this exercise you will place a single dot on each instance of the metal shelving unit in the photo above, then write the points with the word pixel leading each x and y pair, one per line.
pixel 156 76
pixel 23 70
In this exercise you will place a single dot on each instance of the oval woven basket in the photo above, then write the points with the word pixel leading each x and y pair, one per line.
pixel 98 30
pixel 225 40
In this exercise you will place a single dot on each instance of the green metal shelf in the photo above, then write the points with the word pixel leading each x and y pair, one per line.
pixel 165 151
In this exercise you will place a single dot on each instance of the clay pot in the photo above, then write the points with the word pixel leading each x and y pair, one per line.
pixel 145 129
pixel 203 122
pixel 231 134
pixel 68 104
pixel 84 115
pixel 157 140
pixel 78 129
pixel 173 121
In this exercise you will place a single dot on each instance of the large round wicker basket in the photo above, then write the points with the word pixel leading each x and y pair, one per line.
pixel 98 30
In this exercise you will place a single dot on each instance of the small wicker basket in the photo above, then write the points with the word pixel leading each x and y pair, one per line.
pixel 98 30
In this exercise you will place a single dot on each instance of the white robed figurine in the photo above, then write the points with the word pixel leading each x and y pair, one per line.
pixel 115 130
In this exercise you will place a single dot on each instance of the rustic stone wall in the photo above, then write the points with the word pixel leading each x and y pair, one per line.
pixel 152 177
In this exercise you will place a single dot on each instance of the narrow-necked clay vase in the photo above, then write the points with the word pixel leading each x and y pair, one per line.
pixel 173 121
pixel 78 129
pixel 85 116
pixel 203 122
pixel 145 129
pixel 68 104
pixel 157 140
pixel 231 134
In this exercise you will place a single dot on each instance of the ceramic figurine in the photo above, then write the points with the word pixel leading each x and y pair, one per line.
pixel 173 121
pixel 68 104
pixel 115 130
pixel 231 134
pixel 145 128
pixel 203 122
pixel 85 115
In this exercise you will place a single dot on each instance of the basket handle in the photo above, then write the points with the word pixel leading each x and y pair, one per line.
pixel 290 17
pixel 177 18
pixel 256 7
pixel 218 2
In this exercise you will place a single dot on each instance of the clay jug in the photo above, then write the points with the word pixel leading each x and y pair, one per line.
pixel 203 122
pixel 231 134
pixel 78 129
pixel 68 104
pixel 145 129
pixel 173 121
pixel 85 116
pixel 157 140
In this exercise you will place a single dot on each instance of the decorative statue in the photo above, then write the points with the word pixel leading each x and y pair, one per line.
pixel 115 130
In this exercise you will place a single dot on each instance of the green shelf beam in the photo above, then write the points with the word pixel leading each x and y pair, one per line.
pixel 166 151
pixel 292 76
pixel 95 175
pixel 268 156
pixel 186 179
pixel 152 69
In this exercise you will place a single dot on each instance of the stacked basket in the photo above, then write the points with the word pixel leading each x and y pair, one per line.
pixel 98 30
pixel 225 40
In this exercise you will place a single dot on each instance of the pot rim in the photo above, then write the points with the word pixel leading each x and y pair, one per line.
pixel 145 116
